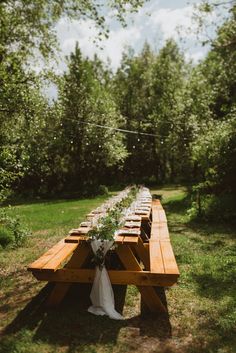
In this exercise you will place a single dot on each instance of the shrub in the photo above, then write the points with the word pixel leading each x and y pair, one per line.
pixel 103 190
pixel 6 236
pixel 12 232
pixel 214 207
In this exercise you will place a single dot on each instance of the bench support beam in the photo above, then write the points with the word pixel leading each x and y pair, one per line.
pixel 148 294
pixel 141 278
pixel 60 289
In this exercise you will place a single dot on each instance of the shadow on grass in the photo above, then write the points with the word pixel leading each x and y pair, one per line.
pixel 178 206
pixel 205 227
pixel 72 326
pixel 213 287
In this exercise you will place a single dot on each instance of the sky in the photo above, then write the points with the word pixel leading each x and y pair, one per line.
pixel 155 22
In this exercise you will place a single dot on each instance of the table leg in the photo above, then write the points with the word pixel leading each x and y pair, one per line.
pixel 142 253
pixel 148 294
pixel 78 258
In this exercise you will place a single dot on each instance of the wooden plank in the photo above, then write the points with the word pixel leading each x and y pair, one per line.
pixel 123 277
pixel 127 258
pixel 147 216
pixel 155 231
pixel 40 262
pixel 155 216
pixel 60 289
pixel 158 213
pixel 156 258
pixel 162 216
pixel 119 239
pixel 130 240
pixel 75 238
pixel 61 256
pixel 155 213
pixel 164 232
pixel 143 253
pixel 159 231
pixel 157 203
pixel 57 294
pixel 81 230
pixel 80 255
pixel 72 239
pixel 169 261
pixel 148 294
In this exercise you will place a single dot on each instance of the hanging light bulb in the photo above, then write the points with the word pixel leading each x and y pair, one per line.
pixel 138 139
pixel 133 146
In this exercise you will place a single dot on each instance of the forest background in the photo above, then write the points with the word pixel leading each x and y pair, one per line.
pixel 183 114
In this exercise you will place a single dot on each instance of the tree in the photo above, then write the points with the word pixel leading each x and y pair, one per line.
pixel 27 33
pixel 214 147
pixel 149 89
pixel 89 151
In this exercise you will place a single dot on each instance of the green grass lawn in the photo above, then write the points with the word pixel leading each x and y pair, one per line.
pixel 201 307
pixel 56 215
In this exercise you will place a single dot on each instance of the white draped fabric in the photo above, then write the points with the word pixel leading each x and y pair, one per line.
pixel 102 295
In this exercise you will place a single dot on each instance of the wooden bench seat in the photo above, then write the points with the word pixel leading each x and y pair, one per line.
pixel 162 258
pixel 54 257
pixel 148 262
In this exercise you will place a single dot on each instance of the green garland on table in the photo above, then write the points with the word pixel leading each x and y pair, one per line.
pixel 108 224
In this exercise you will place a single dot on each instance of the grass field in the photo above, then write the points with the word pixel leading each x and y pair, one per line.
pixel 201 307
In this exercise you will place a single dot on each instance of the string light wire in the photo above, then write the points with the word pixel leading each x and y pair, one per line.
pixel 119 129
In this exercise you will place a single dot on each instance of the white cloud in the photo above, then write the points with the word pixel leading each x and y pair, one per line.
pixel 113 47
pixel 195 56
pixel 85 31
pixel 160 24
pixel 169 20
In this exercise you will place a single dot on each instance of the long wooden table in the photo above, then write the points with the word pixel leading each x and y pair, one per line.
pixel 147 263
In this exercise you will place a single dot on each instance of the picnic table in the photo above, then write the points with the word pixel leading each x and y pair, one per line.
pixel 143 248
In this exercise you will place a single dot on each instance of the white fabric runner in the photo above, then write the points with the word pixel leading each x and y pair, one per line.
pixel 102 295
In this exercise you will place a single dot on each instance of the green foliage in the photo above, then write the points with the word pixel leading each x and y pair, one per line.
pixel 31 140
pixel 47 149
pixel 213 208
pixel 215 152
pixel 103 190
pixel 150 89
pixel 88 152
pixel 107 227
pixel 204 297
pixel 12 232
pixel 108 224
pixel 6 236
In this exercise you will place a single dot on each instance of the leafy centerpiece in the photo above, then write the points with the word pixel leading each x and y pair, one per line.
pixel 109 224
pixel 102 240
